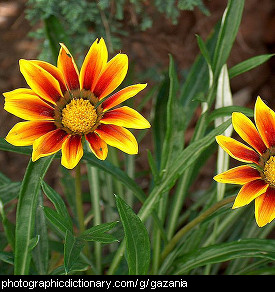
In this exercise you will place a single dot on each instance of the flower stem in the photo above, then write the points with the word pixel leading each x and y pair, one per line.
pixel 95 200
pixel 169 247
pixel 78 199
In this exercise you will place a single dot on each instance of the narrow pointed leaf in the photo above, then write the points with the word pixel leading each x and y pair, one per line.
pixel 98 233
pixel 228 31
pixel 40 253
pixel 263 248
pixel 248 64
pixel 58 202
pixel 25 215
pixel 57 220
pixel 137 239
pixel 33 242
pixel 72 249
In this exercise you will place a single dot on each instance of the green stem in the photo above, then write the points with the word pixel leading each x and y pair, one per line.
pixel 78 199
pixel 95 200
pixel 130 169
pixel 157 234
pixel 169 247
pixel 79 207
pixel 117 258
pixel 114 159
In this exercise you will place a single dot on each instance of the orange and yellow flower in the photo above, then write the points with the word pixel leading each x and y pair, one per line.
pixel 64 106
pixel 258 174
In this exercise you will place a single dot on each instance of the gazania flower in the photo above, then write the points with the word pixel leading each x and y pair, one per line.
pixel 258 174
pixel 64 106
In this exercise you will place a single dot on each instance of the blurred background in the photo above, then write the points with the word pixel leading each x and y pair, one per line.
pixel 147 31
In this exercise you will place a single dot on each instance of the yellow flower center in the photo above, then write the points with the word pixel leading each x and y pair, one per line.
pixel 269 171
pixel 79 116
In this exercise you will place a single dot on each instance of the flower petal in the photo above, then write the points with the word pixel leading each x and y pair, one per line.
pixel 113 74
pixel 122 95
pixel 72 151
pixel 67 66
pixel 93 64
pixel 54 71
pixel 237 150
pixel 27 106
pixel 25 133
pixel 20 91
pixel 41 81
pixel 48 144
pixel 248 132
pixel 125 117
pixel 238 175
pixel 97 145
pixel 265 207
pixel 118 137
pixel 265 121
pixel 249 192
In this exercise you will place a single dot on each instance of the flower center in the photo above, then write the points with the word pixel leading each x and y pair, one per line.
pixel 269 171
pixel 79 116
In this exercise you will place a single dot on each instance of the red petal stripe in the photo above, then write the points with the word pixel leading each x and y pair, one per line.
pixel 265 207
pixel 248 132
pixel 238 175
pixel 72 151
pixel 237 150
pixel 97 145
pixel 122 95
pixel 48 143
pixel 67 66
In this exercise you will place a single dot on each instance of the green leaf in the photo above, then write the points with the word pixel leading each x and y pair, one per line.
pixel 68 185
pixel 137 239
pixel 33 242
pixel 153 166
pixel 262 248
pixel 40 253
pixel 228 110
pixel 229 27
pixel 100 228
pixel 75 268
pixel 248 64
pixel 98 233
pixel 58 202
pixel 57 220
pixel 5 146
pixel 72 249
pixel 204 50
pixel 4 179
pixel 173 140
pixel 9 227
pixel 197 81
pixel 160 112
pixel 25 214
pixel 185 159
pixel 9 191
pixel 7 257
pixel 99 237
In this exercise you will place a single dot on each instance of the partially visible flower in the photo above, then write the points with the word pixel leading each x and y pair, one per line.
pixel 258 176
pixel 64 106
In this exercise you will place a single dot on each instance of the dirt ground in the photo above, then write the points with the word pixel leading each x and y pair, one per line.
pixel 150 48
